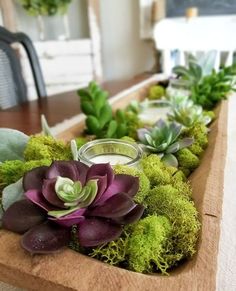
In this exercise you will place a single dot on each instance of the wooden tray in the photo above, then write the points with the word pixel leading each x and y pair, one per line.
pixel 69 270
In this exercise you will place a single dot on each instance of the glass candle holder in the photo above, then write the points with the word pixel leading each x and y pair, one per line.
pixel 153 110
pixel 113 151
pixel 178 87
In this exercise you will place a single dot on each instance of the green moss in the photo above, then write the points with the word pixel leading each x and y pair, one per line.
pixel 165 200
pixel 196 149
pixel 179 176
pixel 211 114
pixel 133 124
pixel 128 138
pixel 183 188
pixel 200 133
pixel 156 92
pixel 146 245
pixel 12 171
pixel 144 184
pixel 46 147
pixel 80 141
pixel 187 159
pixel 112 253
pixel 185 171
pixel 156 171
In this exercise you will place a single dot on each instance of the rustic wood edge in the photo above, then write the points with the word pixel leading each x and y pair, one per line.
pixel 72 271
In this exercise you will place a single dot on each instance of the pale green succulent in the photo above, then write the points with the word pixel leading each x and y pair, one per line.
pixel 162 139
pixel 187 114
pixel 197 67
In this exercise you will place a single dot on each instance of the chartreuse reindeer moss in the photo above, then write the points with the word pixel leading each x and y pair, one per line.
pixel 12 171
pixel 156 92
pixel 144 184
pixel 114 252
pixel 46 147
pixel 187 159
pixel 156 171
pixel 166 200
pixel 199 132
pixel 147 244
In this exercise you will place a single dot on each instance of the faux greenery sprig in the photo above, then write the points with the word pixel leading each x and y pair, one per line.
pixel 214 87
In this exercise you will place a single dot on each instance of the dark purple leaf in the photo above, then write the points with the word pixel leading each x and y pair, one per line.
pixel 70 219
pixel 48 191
pixel 94 232
pixel 82 171
pixel 121 183
pixel 116 206
pixel 134 215
pixel 64 169
pixel 37 198
pixel 45 238
pixel 101 170
pixel 34 178
pixel 22 215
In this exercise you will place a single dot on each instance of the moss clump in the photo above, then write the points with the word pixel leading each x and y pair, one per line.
pixel 80 141
pixel 144 184
pixel 156 171
pixel 183 188
pixel 179 176
pixel 46 147
pixel 196 149
pixel 199 132
pixel 146 245
pixel 133 124
pixel 113 252
pixel 12 171
pixel 156 92
pixel 187 159
pixel 128 138
pixel 165 200
pixel 211 114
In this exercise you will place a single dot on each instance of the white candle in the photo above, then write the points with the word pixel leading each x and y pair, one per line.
pixel 113 159
pixel 151 115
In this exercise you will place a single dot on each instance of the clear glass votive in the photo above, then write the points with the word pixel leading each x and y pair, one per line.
pixel 153 110
pixel 178 87
pixel 113 151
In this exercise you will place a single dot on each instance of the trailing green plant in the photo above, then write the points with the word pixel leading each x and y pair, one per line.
pixel 187 114
pixel 163 139
pixel 45 7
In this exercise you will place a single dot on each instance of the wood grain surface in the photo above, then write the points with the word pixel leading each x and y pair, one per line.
pixel 69 270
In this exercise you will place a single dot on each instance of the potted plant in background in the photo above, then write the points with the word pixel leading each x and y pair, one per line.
pixel 41 8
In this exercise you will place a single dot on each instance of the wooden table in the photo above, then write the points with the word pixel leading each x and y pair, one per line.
pixel 26 117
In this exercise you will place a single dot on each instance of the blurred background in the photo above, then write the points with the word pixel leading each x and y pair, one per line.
pixel 81 40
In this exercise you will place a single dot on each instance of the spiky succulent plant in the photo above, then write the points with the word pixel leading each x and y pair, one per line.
pixel 187 114
pixel 162 138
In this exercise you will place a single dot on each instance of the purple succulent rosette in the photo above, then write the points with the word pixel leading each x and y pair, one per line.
pixel 70 193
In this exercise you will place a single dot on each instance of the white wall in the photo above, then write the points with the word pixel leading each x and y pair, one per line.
pixel 124 54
